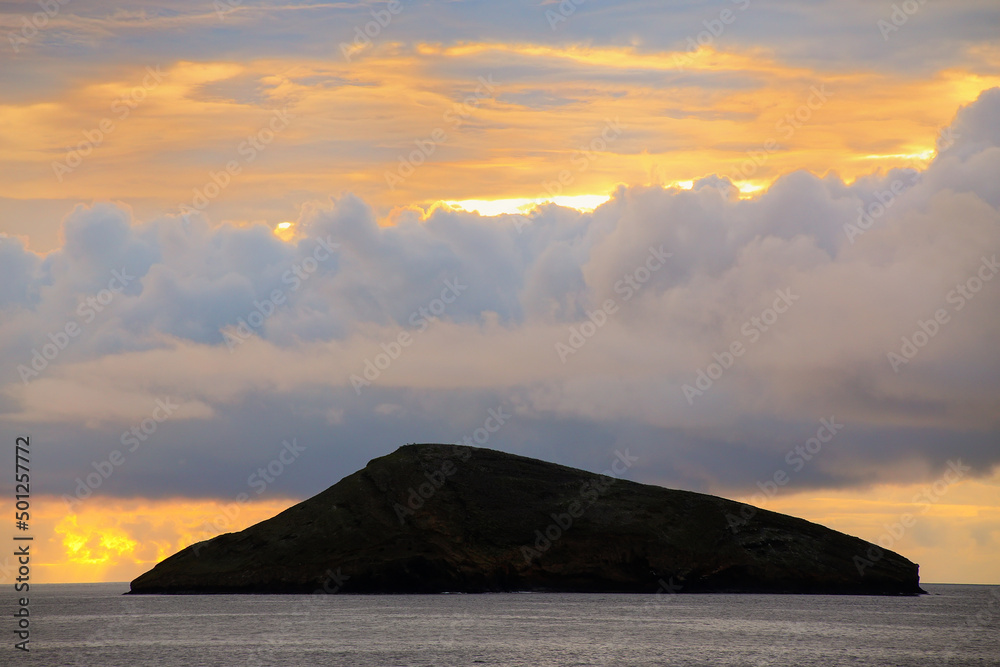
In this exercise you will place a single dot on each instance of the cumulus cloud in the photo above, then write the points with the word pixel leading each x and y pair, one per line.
pixel 708 332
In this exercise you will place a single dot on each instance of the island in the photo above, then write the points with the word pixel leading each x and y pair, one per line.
pixel 434 518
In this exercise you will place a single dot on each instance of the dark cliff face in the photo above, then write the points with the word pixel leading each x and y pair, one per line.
pixel 434 518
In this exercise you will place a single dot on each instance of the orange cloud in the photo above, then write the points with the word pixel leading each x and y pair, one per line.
pixel 741 114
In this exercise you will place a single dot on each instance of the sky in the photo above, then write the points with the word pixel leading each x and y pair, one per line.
pixel 246 247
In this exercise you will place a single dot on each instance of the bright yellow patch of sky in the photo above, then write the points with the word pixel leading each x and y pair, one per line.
pixel 106 539
pixel 954 528
pixel 116 539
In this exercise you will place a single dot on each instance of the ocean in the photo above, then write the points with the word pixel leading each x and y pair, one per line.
pixel 94 625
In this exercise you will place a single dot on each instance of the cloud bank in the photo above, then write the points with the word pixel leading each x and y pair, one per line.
pixel 708 333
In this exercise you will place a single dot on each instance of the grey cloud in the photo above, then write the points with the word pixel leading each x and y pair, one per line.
pixel 528 283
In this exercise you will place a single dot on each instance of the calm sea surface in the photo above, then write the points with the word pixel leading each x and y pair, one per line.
pixel 94 625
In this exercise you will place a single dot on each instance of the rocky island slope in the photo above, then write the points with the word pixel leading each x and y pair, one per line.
pixel 436 518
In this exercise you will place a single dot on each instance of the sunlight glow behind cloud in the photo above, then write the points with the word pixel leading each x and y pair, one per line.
pixel 515 206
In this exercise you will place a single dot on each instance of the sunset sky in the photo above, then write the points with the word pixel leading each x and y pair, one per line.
pixel 243 237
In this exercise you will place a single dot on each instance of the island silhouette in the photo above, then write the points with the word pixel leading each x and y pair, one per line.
pixel 435 518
